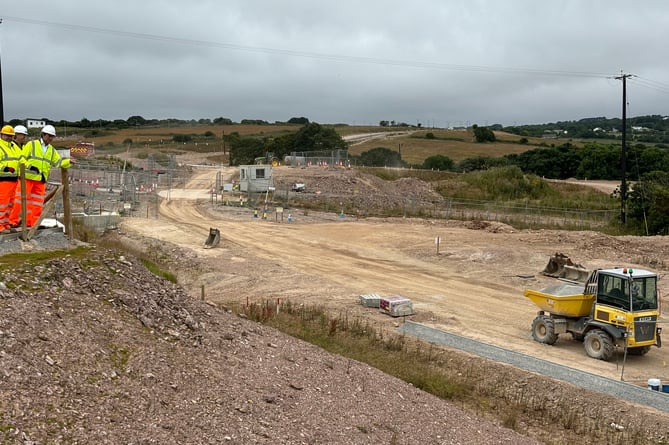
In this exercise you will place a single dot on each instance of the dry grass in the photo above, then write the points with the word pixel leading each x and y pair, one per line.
pixel 346 130
pixel 455 144
pixel 528 404
pixel 144 134
pixel 415 148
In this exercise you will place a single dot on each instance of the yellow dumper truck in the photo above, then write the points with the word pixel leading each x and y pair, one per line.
pixel 616 308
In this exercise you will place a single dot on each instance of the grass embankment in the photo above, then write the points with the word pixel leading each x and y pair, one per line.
pixel 502 194
pixel 510 397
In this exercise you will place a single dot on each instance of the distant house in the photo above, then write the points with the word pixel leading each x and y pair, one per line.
pixel 35 123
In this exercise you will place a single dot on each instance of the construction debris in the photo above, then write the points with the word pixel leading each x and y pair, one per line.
pixel 396 306
pixel 370 300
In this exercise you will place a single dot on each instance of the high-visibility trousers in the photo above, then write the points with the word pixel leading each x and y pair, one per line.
pixel 7 194
pixel 35 192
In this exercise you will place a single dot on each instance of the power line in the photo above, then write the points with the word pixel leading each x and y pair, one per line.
pixel 312 55
pixel 650 84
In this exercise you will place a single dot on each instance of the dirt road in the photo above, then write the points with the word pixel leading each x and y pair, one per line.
pixel 473 286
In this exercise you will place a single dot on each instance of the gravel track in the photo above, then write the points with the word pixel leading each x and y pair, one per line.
pixel 620 389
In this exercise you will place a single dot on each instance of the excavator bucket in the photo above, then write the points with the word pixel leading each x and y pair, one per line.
pixel 213 239
pixel 575 273
pixel 561 266
pixel 556 265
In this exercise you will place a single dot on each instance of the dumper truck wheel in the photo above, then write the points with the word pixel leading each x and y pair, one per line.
pixel 598 345
pixel 543 330
pixel 642 350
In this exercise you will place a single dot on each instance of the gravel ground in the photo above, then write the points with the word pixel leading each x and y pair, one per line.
pixel 43 240
pixel 97 349
pixel 102 351
pixel 586 380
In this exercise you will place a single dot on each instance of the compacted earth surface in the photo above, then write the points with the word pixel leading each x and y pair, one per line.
pixel 94 348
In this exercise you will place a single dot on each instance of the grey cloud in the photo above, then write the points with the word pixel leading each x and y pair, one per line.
pixel 353 62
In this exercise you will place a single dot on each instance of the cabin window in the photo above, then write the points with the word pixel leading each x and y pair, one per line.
pixel 637 294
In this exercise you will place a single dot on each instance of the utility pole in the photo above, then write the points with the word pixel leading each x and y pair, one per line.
pixel 623 152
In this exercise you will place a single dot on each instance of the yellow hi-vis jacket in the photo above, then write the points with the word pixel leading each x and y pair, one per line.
pixel 39 162
pixel 10 155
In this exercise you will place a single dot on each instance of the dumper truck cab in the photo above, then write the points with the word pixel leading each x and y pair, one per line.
pixel 616 308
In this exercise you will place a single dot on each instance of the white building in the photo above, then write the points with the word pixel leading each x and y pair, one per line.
pixel 35 123
pixel 255 178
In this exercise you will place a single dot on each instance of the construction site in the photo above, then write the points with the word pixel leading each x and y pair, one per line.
pixel 341 255
pixel 462 277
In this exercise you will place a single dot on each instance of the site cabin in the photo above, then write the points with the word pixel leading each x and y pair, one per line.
pixel 255 178
pixel 35 123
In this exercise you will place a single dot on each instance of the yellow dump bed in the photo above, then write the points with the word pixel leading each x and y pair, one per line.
pixel 565 299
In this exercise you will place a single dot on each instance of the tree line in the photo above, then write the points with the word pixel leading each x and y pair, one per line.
pixel 139 121
pixel 648 129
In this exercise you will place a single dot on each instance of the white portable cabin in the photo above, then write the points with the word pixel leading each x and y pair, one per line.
pixel 35 123
pixel 255 178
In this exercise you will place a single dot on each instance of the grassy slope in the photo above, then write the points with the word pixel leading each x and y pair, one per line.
pixel 457 145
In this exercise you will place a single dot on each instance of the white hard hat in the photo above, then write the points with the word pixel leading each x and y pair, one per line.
pixel 48 129
pixel 20 129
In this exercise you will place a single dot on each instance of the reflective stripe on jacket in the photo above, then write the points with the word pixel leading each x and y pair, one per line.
pixel 38 163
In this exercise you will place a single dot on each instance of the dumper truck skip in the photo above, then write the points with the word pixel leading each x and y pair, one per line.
pixel 616 308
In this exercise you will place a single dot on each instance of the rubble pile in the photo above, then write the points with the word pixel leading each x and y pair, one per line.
pixel 358 190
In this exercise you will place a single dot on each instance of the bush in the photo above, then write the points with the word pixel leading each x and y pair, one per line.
pixel 438 162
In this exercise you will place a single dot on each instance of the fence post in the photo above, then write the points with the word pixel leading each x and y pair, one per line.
pixel 67 214
pixel 22 177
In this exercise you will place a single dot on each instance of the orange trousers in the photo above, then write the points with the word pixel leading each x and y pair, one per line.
pixel 35 191
pixel 7 194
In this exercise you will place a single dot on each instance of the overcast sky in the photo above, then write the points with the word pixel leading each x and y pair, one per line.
pixel 435 62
